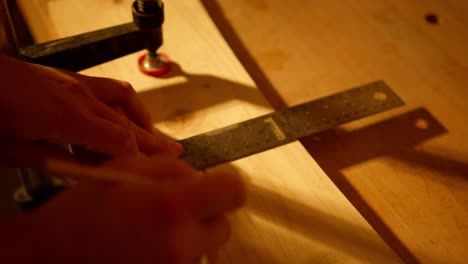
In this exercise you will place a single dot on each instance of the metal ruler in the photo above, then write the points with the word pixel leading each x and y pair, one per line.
pixel 254 135
pixel 284 126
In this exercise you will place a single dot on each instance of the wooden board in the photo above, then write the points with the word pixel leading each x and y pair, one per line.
pixel 406 171
pixel 294 213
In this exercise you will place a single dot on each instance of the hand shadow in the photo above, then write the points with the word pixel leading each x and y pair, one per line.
pixel 181 101
pixel 303 220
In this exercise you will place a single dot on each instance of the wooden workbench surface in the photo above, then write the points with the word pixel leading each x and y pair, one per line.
pixel 407 170
pixel 295 214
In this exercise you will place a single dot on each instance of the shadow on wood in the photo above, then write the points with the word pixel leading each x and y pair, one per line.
pixel 297 218
pixel 397 137
pixel 335 150
pixel 197 93
pixel 243 54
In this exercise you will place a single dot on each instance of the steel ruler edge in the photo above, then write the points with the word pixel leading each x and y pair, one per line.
pixel 287 125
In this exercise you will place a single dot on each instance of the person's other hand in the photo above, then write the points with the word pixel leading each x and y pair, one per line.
pixel 176 216
pixel 39 103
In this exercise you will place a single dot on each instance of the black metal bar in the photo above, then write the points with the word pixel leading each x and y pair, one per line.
pixel 22 33
pixel 82 51
pixel 7 34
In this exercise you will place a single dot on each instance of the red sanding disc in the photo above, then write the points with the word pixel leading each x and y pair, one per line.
pixel 155 72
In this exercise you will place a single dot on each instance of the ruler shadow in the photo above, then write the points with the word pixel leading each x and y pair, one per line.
pixel 180 101
pixel 397 137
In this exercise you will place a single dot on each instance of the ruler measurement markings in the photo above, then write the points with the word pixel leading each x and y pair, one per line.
pixel 284 126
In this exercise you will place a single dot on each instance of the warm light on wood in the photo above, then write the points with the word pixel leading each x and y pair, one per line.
pixel 290 200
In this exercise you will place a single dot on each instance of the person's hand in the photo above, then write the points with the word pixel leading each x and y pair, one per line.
pixel 43 104
pixel 176 216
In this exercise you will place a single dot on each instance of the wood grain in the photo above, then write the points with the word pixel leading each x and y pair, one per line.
pixel 406 170
pixel 295 214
